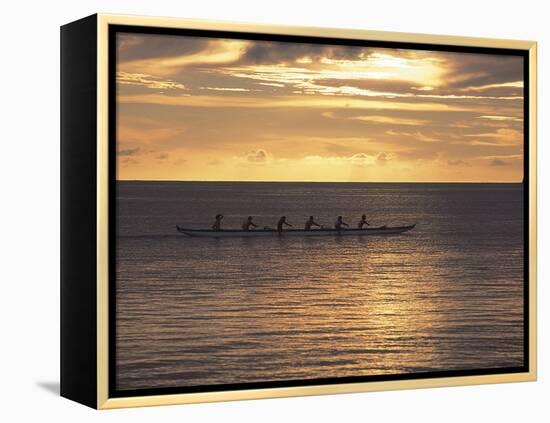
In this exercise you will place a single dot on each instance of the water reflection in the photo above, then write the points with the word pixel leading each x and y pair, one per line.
pixel 207 311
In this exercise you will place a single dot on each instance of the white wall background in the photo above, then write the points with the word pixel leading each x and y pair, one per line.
pixel 29 175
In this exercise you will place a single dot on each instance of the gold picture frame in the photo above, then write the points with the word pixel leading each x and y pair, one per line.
pixel 95 36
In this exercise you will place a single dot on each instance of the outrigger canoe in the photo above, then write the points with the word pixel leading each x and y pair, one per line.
pixel 225 233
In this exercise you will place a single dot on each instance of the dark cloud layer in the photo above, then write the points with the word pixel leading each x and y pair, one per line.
pixel 482 69
pixel 267 52
pixel 128 152
pixel 138 47
pixel 499 162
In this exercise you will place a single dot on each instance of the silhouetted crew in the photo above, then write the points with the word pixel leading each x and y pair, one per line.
pixel 363 222
pixel 282 221
pixel 339 223
pixel 311 222
pixel 248 223
pixel 218 223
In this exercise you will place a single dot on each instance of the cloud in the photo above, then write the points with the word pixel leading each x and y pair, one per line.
pixel 215 52
pixel 329 70
pixel 390 111
pixel 422 73
pixel 391 120
pixel 382 119
pixel 382 158
pixel 323 81
pixel 416 135
pixel 147 81
pixel 344 146
pixel 339 70
pixel 458 162
pixel 426 88
pixel 469 70
pixel 358 160
pixel 145 134
pixel 128 161
pixel 506 156
pixel 503 160
pixel 362 160
pixel 268 52
pixel 235 89
pixel 162 156
pixel 132 47
pixel 128 152
pixel 179 162
pixel 501 118
pixel 287 101
pixel 257 156
pixel 514 84
pixel 272 84
pixel 502 137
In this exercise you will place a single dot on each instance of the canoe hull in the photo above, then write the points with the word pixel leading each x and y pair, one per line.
pixel 235 233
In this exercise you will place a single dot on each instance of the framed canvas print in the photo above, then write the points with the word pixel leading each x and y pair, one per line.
pixel 254 211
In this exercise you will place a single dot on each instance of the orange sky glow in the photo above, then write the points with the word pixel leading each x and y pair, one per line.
pixel 196 108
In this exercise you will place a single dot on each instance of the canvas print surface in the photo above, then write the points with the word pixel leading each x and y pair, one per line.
pixel 291 211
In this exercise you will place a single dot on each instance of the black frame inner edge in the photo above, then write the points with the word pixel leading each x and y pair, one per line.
pixel 112 122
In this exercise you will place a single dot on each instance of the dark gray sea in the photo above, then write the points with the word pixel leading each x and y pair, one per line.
pixel 193 311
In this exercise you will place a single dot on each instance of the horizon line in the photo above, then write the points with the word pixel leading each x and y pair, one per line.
pixel 323 182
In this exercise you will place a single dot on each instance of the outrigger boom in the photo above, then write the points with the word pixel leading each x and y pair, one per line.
pixel 225 233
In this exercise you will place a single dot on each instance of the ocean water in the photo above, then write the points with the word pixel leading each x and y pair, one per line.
pixel 194 311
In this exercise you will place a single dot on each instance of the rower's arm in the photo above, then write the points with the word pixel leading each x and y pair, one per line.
pixel 288 224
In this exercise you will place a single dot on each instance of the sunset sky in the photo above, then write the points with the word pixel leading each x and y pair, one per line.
pixel 193 108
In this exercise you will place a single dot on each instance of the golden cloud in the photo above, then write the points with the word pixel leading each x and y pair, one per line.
pixel 217 52
pixel 149 81
pixel 286 101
